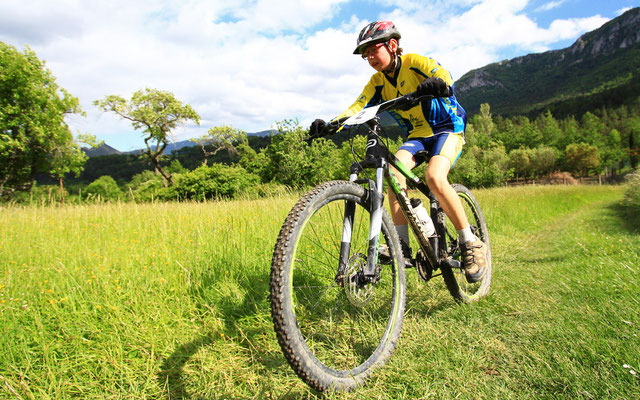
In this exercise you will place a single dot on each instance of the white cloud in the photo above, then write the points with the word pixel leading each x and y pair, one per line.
pixel 478 36
pixel 251 63
pixel 550 5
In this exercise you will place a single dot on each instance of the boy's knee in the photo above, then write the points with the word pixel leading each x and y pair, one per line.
pixel 436 182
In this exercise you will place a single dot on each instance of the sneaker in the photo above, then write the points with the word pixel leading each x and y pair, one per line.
pixel 385 258
pixel 474 260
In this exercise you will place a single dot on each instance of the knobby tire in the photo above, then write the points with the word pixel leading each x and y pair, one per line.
pixel 334 336
pixel 455 278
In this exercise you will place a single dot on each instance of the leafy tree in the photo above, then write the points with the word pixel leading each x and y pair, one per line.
pixel 157 113
pixel 251 160
pixel 509 133
pixel 592 130
pixel 633 141
pixel 550 130
pixel 481 167
pixel 528 134
pixel 582 157
pixel 612 153
pixel 480 130
pixel 542 160
pixel 105 188
pixel 34 138
pixel 323 154
pixel 146 186
pixel 68 158
pixel 286 156
pixel 570 133
pixel 223 137
pixel 520 162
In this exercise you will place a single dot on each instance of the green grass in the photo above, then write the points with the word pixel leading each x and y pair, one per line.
pixel 137 301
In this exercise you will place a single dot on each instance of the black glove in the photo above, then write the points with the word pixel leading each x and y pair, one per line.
pixel 436 87
pixel 316 128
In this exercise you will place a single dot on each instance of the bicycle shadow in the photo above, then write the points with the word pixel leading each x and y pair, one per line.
pixel 173 376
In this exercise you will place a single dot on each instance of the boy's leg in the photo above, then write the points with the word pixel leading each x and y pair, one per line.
pixel 407 159
pixel 397 216
pixel 473 249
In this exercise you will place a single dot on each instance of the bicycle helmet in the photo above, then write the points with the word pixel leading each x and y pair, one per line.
pixel 376 32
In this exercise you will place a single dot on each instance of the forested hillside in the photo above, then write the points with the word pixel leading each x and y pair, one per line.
pixel 602 68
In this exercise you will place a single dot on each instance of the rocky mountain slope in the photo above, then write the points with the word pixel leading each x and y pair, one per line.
pixel 601 68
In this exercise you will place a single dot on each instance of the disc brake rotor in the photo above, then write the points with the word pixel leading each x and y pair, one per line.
pixel 357 291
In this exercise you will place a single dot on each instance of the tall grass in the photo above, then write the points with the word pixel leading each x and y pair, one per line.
pixel 170 300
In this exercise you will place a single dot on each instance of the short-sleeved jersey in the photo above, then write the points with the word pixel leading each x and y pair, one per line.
pixel 425 119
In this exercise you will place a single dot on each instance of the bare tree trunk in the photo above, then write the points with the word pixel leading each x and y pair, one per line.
pixel 155 159
pixel 61 190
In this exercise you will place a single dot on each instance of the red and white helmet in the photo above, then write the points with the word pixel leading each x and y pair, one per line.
pixel 376 32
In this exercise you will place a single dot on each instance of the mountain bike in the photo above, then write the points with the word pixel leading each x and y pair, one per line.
pixel 337 309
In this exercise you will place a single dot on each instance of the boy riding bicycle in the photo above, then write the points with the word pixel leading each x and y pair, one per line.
pixel 436 126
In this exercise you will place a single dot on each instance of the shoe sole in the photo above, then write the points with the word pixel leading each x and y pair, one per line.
pixel 473 278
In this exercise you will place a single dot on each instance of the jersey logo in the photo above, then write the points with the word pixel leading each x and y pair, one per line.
pixel 402 84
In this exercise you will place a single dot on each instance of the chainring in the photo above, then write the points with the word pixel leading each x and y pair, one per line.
pixel 423 267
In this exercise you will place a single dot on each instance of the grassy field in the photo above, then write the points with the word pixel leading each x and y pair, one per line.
pixel 138 301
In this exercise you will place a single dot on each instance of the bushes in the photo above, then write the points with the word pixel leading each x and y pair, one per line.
pixel 215 181
pixel 104 188
pixel 632 195
pixel 481 168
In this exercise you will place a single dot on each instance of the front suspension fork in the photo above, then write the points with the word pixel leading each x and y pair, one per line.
pixel 375 199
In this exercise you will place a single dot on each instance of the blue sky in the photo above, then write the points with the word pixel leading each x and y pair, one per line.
pixel 252 63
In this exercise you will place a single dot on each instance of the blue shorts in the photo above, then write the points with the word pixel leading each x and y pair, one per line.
pixel 444 144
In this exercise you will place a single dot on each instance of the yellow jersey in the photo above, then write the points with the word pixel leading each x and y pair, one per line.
pixel 426 119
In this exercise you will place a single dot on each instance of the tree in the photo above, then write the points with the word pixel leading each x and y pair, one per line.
pixel 32 126
pixel 520 162
pixel 543 160
pixel 286 156
pixel 483 127
pixel 157 113
pixel 219 138
pixel 550 130
pixel 582 157
pixel 68 157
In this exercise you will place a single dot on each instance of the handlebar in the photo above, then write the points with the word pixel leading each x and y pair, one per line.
pixel 404 103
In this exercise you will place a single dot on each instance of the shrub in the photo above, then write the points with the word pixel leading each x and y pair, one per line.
pixel 632 195
pixel 215 181
pixel 104 188
pixel 147 186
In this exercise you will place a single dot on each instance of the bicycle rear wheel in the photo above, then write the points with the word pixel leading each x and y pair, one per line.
pixel 334 330
pixel 454 277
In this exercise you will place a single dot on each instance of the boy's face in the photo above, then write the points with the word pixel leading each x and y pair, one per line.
pixel 380 56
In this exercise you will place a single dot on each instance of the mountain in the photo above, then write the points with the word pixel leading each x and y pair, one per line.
pixel 102 150
pixel 601 68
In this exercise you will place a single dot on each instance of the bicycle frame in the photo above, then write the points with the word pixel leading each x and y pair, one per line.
pixel 379 157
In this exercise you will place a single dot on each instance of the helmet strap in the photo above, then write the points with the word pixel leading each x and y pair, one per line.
pixel 394 64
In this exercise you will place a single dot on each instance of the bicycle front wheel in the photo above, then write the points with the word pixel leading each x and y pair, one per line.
pixel 333 328
pixel 454 277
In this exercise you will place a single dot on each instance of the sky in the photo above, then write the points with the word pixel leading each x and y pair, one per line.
pixel 253 63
